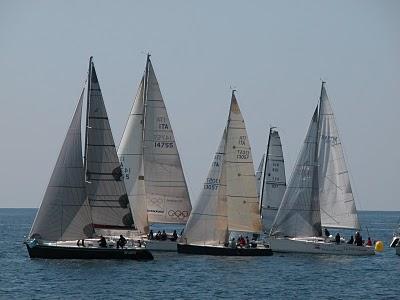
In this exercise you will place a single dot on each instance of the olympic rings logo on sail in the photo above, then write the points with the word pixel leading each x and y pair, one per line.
pixel 180 214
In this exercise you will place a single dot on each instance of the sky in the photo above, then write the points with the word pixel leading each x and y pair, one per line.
pixel 274 53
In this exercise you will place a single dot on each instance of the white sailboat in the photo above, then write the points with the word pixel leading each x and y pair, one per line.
pixel 84 197
pixel 228 202
pixel 319 193
pixel 271 180
pixel 151 165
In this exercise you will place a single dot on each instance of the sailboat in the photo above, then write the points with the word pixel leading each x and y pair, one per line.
pixel 151 165
pixel 319 193
pixel 228 201
pixel 271 179
pixel 395 243
pixel 84 198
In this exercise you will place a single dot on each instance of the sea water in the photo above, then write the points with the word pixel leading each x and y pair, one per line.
pixel 179 276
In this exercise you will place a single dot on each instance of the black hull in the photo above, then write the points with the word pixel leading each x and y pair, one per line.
pixel 57 252
pixel 223 251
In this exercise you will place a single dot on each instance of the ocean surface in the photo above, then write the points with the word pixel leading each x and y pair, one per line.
pixel 178 276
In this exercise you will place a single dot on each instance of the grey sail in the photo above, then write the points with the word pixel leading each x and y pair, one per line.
pixel 273 180
pixel 259 174
pixel 299 212
pixel 166 191
pixel 337 203
pixel 105 186
pixel 64 213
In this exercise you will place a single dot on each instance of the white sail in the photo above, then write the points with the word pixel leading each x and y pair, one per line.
pixel 299 212
pixel 273 180
pixel 166 190
pixel 337 204
pixel 243 205
pixel 130 154
pixel 65 213
pixel 208 222
pixel 105 187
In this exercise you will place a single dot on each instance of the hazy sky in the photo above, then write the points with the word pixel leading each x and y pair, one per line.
pixel 273 52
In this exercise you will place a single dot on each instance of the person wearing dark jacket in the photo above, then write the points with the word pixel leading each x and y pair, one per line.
pixel 337 238
pixel 358 239
pixel 121 242
pixel 102 242
pixel 350 241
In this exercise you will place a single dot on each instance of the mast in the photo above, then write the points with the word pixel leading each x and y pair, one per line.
pixel 263 172
pixel 145 90
pixel 145 87
pixel 87 116
pixel 315 182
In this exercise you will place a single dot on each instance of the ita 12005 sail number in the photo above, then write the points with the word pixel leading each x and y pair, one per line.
pixel 242 154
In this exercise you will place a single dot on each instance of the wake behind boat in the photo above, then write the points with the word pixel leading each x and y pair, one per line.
pixel 319 194
pixel 84 199
pixel 228 202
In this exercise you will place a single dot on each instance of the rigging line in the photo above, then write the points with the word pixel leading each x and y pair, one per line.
pixel 329 216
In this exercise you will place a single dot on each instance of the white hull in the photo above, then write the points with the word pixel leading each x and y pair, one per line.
pixel 158 245
pixel 395 241
pixel 317 246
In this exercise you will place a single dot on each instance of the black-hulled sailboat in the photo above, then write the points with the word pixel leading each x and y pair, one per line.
pixel 228 202
pixel 85 198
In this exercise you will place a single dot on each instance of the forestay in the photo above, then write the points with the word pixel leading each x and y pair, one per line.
pixel 165 186
pixel 274 180
pixel 337 203
pixel 208 222
pixel 64 213
pixel 299 212
pixel 243 205
pixel 106 189
pixel 259 174
pixel 130 153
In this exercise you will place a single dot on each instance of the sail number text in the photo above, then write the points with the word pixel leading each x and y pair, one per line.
pixel 211 184
pixel 242 154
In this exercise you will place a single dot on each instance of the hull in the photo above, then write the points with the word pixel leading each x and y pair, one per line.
pixel 316 246
pixel 395 241
pixel 157 245
pixel 70 252
pixel 223 251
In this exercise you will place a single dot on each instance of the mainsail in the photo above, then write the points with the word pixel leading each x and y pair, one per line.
pixel 241 192
pixel 151 164
pixel 208 222
pixel 299 212
pixel 273 180
pixel 65 213
pixel 105 188
pixel 336 198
